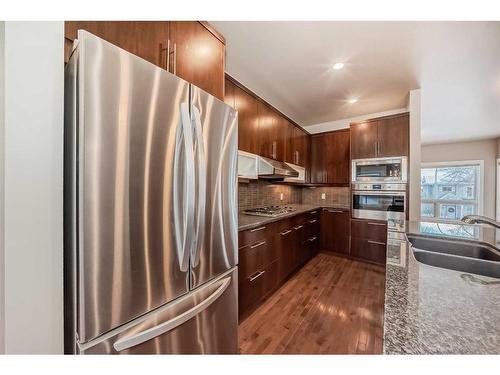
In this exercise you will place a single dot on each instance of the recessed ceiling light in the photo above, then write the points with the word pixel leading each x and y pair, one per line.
pixel 338 66
pixel 351 101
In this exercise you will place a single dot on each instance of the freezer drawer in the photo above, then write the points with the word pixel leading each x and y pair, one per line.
pixel 203 322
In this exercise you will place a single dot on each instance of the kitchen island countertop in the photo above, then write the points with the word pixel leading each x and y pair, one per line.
pixel 431 310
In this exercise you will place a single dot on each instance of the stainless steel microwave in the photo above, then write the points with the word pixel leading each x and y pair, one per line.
pixel 392 169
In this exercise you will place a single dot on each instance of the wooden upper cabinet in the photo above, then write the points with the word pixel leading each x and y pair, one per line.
pixel 393 136
pixel 383 137
pixel 330 157
pixel 248 120
pixel 188 49
pixel 318 175
pixel 337 157
pixel 301 143
pixel 198 56
pixel 289 142
pixel 278 137
pixel 265 130
pixel 364 140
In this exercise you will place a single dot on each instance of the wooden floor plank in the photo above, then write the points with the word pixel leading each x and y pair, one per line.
pixel 333 305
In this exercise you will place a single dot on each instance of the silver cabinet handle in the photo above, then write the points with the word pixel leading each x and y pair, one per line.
pixel 312 239
pixel 298 227
pixel 201 179
pixel 313 221
pixel 313 212
pixel 259 274
pixel 379 224
pixel 151 333
pixel 286 232
pixel 274 150
pixel 376 243
pixel 167 55
pixel 184 235
pixel 257 229
pixel 175 58
pixel 335 211
pixel 258 244
pixel 376 148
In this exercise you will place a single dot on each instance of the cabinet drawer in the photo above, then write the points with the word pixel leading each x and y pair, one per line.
pixel 369 229
pixel 372 251
pixel 252 236
pixel 257 286
pixel 255 257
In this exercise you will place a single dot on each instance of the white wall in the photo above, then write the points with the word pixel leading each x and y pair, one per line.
pixel 414 107
pixel 475 150
pixel 344 123
pixel 2 265
pixel 33 211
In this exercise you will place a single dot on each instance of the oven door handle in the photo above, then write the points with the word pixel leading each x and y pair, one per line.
pixel 380 192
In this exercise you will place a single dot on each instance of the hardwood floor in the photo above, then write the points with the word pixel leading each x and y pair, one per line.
pixel 332 305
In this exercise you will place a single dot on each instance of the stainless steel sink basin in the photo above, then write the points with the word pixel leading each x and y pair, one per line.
pixel 456 255
pixel 470 250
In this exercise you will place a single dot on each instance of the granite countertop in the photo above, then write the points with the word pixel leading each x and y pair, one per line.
pixel 251 221
pixel 430 310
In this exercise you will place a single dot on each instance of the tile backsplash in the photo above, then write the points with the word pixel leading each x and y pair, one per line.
pixel 264 193
pixel 334 196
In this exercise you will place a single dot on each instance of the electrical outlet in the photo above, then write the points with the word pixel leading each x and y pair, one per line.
pixel 281 196
pixel 323 196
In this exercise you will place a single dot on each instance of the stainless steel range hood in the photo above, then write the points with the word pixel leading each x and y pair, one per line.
pixel 273 169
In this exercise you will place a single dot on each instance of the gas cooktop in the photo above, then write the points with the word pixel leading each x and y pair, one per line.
pixel 270 211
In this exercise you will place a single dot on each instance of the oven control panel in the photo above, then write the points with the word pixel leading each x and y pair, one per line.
pixel 381 187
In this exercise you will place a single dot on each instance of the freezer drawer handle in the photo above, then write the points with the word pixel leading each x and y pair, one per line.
pixel 151 333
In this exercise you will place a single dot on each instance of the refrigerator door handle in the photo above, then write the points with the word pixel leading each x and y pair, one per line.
pixel 183 236
pixel 201 178
pixel 151 333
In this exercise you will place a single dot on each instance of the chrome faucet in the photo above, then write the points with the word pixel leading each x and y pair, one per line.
pixel 477 219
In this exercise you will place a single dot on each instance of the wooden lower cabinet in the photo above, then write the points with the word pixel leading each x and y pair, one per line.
pixel 369 250
pixel 335 230
pixel 369 240
pixel 269 254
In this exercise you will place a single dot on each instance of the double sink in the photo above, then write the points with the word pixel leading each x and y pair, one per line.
pixel 468 257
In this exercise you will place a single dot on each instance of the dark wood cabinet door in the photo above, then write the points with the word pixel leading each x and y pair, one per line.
pixel 277 135
pixel 369 250
pixel 364 140
pixel 301 147
pixel 290 142
pixel 335 229
pixel 393 136
pixel 198 56
pixel 375 230
pixel 336 157
pixel 151 39
pixel 123 34
pixel 317 160
pixel 264 134
pixel 248 121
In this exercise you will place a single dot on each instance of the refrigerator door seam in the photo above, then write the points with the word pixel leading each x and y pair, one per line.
pixel 201 179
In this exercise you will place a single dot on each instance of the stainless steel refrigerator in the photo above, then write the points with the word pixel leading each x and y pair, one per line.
pixel 150 209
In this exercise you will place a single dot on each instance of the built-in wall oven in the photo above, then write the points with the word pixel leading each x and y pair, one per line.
pixel 379 201
pixel 393 169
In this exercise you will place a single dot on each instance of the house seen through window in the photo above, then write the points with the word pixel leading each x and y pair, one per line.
pixel 450 191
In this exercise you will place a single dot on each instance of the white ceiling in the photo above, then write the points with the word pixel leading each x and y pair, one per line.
pixel 456 64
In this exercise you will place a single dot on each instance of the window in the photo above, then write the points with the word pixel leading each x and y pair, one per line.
pixel 451 190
